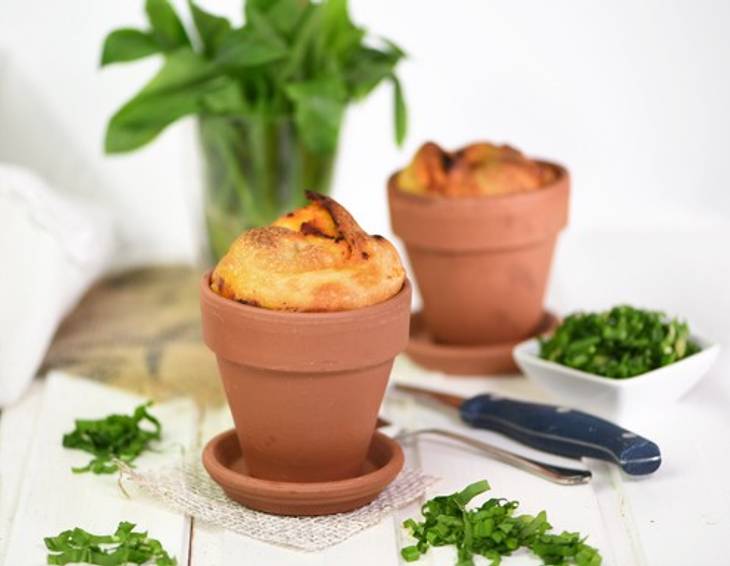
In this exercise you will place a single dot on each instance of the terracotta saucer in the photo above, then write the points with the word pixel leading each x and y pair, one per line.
pixel 466 360
pixel 226 464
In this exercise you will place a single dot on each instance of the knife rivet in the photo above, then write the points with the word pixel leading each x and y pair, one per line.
pixel 628 435
pixel 562 410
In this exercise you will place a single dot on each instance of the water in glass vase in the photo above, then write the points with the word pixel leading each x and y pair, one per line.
pixel 255 170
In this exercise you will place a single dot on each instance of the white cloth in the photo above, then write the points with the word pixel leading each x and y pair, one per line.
pixel 51 249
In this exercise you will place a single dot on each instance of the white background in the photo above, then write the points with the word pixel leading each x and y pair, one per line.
pixel 631 96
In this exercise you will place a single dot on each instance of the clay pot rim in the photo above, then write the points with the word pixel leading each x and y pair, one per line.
pixel 376 311
pixel 470 224
pixel 302 490
pixel 471 200
pixel 481 360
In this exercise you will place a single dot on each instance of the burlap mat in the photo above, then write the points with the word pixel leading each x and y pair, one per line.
pixel 188 489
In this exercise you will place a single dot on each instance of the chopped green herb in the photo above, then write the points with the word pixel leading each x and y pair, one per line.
pixel 621 342
pixel 113 437
pixel 123 547
pixel 492 531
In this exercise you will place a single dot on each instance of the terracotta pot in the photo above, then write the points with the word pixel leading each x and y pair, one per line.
pixel 481 263
pixel 304 388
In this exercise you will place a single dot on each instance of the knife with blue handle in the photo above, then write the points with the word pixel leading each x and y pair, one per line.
pixel 557 430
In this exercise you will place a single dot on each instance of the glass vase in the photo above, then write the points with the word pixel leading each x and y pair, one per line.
pixel 255 170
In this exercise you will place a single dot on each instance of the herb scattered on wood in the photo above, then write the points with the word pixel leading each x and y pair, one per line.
pixel 115 437
pixel 123 547
pixel 492 531
pixel 621 342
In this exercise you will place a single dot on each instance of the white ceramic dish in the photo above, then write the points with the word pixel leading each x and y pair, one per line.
pixel 615 399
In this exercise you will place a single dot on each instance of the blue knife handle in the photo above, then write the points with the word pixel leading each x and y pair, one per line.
pixel 566 432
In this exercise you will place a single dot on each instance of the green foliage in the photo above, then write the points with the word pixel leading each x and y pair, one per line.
pixel 166 26
pixel 292 58
pixel 492 531
pixel 619 343
pixel 211 28
pixel 123 547
pixel 128 45
pixel 113 437
pixel 319 108
pixel 184 85
pixel 400 114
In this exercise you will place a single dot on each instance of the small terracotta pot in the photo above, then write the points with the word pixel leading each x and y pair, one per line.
pixel 304 389
pixel 481 263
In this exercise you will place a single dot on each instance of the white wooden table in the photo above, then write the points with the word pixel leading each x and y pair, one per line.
pixel 680 515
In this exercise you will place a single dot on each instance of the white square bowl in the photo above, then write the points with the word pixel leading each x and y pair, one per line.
pixel 615 399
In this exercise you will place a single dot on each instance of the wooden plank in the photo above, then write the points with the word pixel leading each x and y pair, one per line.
pixel 682 513
pixel 623 545
pixel 207 545
pixel 52 498
pixel 377 545
pixel 17 428
pixel 140 331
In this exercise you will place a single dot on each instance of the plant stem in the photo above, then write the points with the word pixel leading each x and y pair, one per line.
pixel 256 169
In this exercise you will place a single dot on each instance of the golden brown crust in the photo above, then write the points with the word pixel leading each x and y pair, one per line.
pixel 315 259
pixel 479 169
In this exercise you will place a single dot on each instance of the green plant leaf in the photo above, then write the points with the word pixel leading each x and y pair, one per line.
pixel 244 47
pixel 319 107
pixel 286 14
pixel 177 90
pixel 304 58
pixel 211 28
pixel 367 68
pixel 226 100
pixel 393 48
pixel 339 36
pixel 302 44
pixel 166 25
pixel 128 44
pixel 260 6
pixel 336 16
pixel 400 111
pixel 264 29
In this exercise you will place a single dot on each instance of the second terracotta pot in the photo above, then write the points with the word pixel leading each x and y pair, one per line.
pixel 481 263
pixel 304 389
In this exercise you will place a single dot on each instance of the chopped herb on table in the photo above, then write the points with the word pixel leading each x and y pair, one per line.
pixel 492 531
pixel 123 547
pixel 619 343
pixel 115 437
